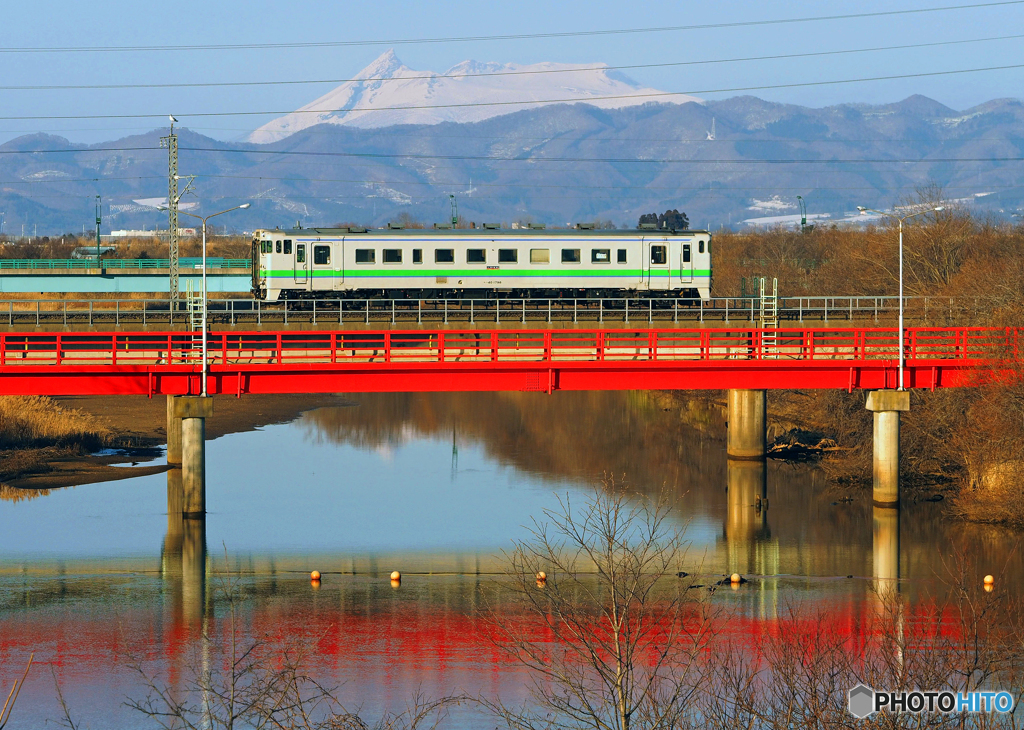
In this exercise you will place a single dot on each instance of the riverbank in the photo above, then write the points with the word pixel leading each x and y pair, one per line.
pixel 49 443
pixel 963 445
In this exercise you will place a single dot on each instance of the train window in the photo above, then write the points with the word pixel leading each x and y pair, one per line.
pixel 659 254
pixel 686 253
pixel 264 246
pixel 366 255
pixel 476 256
pixel 417 255
pixel 392 256
pixel 300 253
pixel 278 246
pixel 287 246
pixel 444 256
pixel 621 256
pixel 570 255
pixel 321 255
pixel 540 256
pixel 508 256
pixel 700 247
pixel 600 255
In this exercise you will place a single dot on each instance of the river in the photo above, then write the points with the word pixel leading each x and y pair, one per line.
pixel 99 581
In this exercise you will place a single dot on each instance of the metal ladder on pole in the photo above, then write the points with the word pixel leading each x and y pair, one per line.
pixel 194 302
pixel 770 318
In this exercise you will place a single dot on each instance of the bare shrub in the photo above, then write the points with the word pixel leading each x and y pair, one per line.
pixel 621 638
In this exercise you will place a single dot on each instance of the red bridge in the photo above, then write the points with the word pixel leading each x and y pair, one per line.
pixel 169 363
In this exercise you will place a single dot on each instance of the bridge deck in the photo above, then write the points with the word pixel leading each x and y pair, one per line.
pixel 451 360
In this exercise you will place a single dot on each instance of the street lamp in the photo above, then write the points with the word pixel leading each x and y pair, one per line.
pixel 895 217
pixel 243 206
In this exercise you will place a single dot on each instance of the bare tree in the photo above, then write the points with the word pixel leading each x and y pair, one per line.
pixel 620 638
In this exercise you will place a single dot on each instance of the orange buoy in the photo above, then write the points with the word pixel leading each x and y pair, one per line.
pixel 315 575
pixel 542 576
pixel 989 580
pixel 734 578
pixel 395 575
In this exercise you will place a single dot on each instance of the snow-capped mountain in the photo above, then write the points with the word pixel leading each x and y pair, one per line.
pixel 388 92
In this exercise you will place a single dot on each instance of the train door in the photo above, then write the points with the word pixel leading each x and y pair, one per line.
pixel 301 270
pixel 339 264
pixel 322 270
pixel 686 262
pixel 656 263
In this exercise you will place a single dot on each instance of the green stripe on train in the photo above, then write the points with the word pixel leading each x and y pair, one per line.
pixel 476 273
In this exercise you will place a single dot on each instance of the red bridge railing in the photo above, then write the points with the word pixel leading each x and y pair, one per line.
pixel 502 346
pixel 334 361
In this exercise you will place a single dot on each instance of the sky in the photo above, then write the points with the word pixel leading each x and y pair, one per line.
pixel 376 26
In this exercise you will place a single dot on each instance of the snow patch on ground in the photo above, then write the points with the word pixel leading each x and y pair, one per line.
pixel 774 204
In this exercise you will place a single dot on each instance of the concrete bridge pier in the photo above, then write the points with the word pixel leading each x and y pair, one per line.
pixel 747 424
pixel 193 412
pixel 173 433
pixel 887 405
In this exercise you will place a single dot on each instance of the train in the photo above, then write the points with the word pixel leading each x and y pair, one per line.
pixel 489 262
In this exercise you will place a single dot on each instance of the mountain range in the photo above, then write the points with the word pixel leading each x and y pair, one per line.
pixel 722 162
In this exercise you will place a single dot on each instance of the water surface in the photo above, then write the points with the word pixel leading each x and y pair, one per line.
pixel 434 485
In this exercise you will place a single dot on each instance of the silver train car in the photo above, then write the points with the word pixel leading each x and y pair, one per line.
pixel 306 263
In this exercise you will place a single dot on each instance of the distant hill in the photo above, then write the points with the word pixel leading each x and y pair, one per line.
pixel 555 164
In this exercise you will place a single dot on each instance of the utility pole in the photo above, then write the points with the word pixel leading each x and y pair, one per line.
pixel 99 218
pixel 171 143
pixel 455 211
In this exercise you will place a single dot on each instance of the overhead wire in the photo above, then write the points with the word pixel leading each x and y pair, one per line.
pixel 532 72
pixel 530 102
pixel 505 36
pixel 484 158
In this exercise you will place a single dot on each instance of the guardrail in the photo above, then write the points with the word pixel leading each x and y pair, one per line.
pixel 121 264
pixel 726 310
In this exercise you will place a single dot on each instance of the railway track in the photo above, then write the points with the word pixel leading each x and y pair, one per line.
pixel 22 313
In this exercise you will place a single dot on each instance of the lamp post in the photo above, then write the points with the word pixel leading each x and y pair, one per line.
pixel 895 217
pixel 199 217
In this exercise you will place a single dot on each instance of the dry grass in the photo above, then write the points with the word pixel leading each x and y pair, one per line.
pixel 35 431
pixel 38 421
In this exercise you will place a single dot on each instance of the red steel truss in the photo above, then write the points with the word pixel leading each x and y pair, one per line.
pixel 351 361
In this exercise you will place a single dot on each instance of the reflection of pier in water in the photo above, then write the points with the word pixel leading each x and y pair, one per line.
pixel 183 560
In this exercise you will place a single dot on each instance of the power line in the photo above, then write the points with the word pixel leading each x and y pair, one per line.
pixel 430 135
pixel 482 158
pixel 427 77
pixel 440 196
pixel 447 185
pixel 540 102
pixel 503 37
